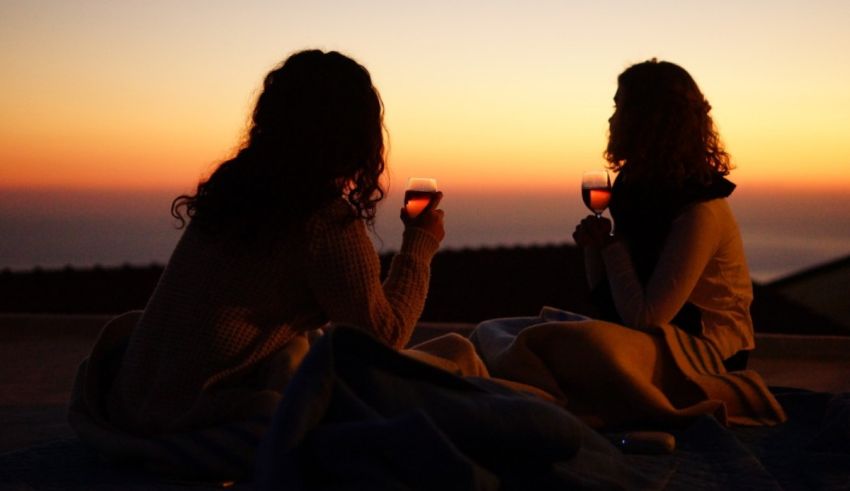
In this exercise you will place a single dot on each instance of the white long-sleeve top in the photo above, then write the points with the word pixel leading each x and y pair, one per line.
pixel 702 262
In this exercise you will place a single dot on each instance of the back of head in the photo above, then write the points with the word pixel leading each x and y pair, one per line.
pixel 662 128
pixel 316 135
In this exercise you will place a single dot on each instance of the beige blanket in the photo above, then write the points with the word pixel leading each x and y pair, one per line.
pixel 613 376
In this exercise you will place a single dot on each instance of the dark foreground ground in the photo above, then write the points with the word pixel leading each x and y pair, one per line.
pixel 467 286
pixel 49 320
pixel 41 354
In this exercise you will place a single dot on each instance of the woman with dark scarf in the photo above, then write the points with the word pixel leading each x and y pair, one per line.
pixel 675 255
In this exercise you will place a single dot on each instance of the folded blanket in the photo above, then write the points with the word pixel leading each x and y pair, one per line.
pixel 610 375
pixel 221 452
pixel 358 415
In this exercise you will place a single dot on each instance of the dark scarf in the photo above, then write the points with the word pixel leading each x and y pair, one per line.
pixel 643 214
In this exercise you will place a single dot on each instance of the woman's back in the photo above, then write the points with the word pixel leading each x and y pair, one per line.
pixel 723 293
pixel 276 247
pixel 222 306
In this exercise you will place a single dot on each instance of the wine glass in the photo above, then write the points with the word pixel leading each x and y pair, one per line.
pixel 596 190
pixel 418 195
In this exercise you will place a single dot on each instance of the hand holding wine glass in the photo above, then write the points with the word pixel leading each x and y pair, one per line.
pixel 421 199
pixel 419 194
pixel 595 231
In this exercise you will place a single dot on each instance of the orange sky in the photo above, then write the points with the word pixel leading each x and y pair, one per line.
pixel 109 94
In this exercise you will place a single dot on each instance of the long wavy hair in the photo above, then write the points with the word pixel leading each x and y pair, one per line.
pixel 661 129
pixel 316 134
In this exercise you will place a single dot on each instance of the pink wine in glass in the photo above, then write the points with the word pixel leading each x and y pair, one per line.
pixel 596 199
pixel 420 191
pixel 596 190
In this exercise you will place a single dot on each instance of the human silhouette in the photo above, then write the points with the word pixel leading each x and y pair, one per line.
pixel 275 248
pixel 675 255
pixel 671 281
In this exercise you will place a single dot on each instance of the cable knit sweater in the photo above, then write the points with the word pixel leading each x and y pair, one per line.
pixel 224 307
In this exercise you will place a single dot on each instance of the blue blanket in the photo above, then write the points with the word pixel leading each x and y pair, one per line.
pixel 359 415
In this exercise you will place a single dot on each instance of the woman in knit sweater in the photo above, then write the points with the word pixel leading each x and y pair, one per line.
pixel 676 254
pixel 275 248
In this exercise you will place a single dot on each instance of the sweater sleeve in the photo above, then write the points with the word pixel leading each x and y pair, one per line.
pixel 693 239
pixel 343 271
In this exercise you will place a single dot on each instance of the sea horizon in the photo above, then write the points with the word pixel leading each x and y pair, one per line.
pixel 783 233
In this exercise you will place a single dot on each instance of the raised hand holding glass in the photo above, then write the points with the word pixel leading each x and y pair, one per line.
pixel 418 195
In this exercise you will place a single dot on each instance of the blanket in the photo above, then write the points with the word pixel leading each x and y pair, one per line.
pixel 218 453
pixel 610 376
pixel 811 450
pixel 358 415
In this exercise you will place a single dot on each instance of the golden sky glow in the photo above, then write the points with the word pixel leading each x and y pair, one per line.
pixel 152 94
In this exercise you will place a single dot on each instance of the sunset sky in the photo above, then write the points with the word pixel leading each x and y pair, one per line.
pixel 114 94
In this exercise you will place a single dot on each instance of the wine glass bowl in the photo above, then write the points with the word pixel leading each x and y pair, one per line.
pixel 418 195
pixel 596 190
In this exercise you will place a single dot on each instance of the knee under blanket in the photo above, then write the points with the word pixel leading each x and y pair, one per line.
pixel 223 451
pixel 358 415
pixel 610 375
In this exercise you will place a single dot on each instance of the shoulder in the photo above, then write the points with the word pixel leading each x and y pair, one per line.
pixel 702 211
pixel 335 211
pixel 332 221
pixel 705 218
pixel 337 207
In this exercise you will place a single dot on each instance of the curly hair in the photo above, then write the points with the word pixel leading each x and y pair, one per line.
pixel 661 127
pixel 316 134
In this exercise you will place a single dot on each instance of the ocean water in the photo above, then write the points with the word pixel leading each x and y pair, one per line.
pixel 784 232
